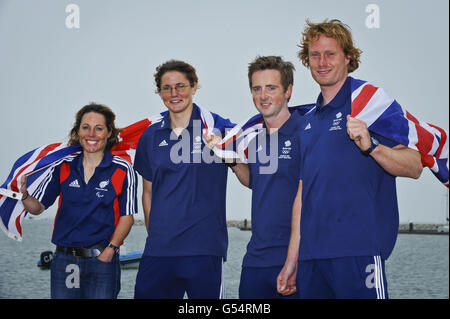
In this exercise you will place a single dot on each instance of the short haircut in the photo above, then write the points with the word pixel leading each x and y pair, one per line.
pixel 175 65
pixel 273 63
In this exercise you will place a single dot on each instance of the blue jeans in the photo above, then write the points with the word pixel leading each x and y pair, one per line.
pixel 85 278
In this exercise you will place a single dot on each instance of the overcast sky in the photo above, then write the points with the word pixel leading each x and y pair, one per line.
pixel 49 68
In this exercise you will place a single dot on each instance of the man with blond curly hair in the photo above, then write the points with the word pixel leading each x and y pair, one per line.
pixel 345 214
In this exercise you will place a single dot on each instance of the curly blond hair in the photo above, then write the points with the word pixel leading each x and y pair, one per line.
pixel 333 29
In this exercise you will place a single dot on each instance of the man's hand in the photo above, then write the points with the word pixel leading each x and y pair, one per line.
pixel 397 161
pixel 286 280
pixel 358 132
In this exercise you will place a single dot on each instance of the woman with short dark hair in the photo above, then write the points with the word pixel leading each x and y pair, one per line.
pixel 183 201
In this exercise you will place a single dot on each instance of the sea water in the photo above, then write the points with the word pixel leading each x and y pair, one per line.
pixel 417 268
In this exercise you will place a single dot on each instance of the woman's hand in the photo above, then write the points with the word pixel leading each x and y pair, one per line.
pixel 107 255
pixel 31 204
pixel 212 140
pixel 23 185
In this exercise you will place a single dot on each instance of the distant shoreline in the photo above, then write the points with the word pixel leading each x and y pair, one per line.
pixel 409 228
pixel 432 229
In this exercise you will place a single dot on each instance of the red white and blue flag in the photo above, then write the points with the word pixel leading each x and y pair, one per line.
pixel 39 164
pixel 370 104
pixel 246 131
pixel 385 116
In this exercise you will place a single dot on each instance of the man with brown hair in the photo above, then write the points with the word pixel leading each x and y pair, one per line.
pixel 273 191
pixel 346 199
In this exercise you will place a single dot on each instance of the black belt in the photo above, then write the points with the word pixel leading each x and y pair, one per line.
pixel 81 251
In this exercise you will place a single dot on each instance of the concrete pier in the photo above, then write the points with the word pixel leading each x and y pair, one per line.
pixel 408 228
pixel 432 229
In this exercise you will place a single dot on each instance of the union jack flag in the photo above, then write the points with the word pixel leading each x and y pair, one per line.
pixel 385 116
pixel 38 164
pixel 246 131
pixel 382 114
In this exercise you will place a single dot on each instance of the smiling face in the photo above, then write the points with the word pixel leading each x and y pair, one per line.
pixel 176 92
pixel 93 133
pixel 268 94
pixel 328 63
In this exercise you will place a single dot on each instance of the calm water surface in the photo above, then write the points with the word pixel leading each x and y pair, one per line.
pixel 418 267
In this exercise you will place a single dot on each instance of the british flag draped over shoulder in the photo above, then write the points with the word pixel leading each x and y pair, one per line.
pixel 382 114
pixel 385 116
pixel 39 164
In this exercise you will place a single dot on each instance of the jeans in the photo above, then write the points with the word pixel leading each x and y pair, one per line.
pixel 84 278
